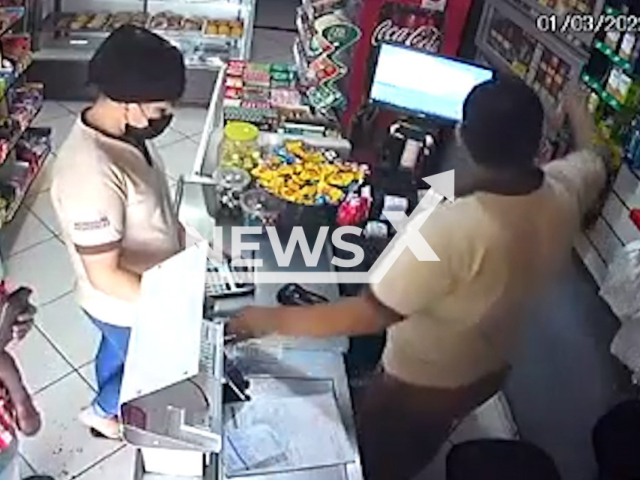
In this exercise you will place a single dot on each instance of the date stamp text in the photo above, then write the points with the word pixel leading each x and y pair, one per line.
pixel 583 23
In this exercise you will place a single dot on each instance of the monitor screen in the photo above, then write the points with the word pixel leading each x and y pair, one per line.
pixel 424 83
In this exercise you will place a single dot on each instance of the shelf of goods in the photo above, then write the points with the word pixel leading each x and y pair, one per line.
pixel 16 178
pixel 269 95
pixel 206 31
pixel 612 75
pixel 615 228
pixel 286 119
pixel 509 40
pixel 22 149
pixel 322 51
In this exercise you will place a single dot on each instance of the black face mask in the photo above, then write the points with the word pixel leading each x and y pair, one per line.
pixel 154 129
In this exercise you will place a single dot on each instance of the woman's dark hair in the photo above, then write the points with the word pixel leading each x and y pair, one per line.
pixel 135 65
pixel 502 124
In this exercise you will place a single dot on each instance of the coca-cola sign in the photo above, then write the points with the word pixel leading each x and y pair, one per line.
pixel 424 37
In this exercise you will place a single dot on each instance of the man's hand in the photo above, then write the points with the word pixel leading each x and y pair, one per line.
pixel 362 315
pixel 574 102
pixel 252 322
pixel 19 312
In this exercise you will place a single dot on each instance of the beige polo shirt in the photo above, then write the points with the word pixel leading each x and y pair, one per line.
pixel 464 312
pixel 106 192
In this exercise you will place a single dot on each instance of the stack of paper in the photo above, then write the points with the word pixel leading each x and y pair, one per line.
pixel 283 434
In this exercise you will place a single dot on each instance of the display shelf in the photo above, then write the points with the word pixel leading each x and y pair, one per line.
pixel 300 59
pixel 58 41
pixel 497 61
pixel 13 141
pixel 307 6
pixel 614 57
pixel 9 17
pixel 304 34
pixel 9 213
pixel 22 64
pixel 602 93
pixel 51 21
pixel 551 61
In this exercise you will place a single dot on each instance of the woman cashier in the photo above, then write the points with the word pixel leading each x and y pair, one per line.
pixel 111 196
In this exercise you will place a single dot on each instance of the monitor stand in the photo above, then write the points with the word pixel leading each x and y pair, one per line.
pixel 418 136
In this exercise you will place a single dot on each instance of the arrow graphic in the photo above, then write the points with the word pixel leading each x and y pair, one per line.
pixel 408 228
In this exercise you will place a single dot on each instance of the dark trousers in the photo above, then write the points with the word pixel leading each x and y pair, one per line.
pixel 401 427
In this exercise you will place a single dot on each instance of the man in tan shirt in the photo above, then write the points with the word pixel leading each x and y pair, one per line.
pixel 111 196
pixel 452 324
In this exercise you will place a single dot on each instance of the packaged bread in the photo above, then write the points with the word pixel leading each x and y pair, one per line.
pixel 174 21
pixel 159 21
pixel 98 21
pixel 237 29
pixel 80 21
pixel 224 28
pixel 211 27
pixel 192 24
pixel 139 19
pixel 119 19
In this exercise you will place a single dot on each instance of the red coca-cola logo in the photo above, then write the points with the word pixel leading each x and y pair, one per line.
pixel 424 37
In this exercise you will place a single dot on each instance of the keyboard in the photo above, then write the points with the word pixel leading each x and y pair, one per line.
pixel 207 348
pixel 224 279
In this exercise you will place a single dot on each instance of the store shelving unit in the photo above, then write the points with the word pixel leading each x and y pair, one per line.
pixel 65 43
pixel 10 212
pixel 613 228
pixel 20 104
pixel 509 40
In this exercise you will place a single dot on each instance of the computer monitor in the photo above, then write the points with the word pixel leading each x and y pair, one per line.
pixel 423 83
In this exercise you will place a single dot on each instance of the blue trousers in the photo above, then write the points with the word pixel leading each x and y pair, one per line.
pixel 110 366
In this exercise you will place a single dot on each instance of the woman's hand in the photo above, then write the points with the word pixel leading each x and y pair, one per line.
pixel 251 322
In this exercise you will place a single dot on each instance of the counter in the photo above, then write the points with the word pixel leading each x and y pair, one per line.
pixel 276 367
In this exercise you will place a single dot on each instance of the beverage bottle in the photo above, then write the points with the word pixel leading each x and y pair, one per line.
pixel 633 141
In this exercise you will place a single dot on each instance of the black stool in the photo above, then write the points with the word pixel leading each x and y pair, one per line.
pixel 616 442
pixel 499 460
